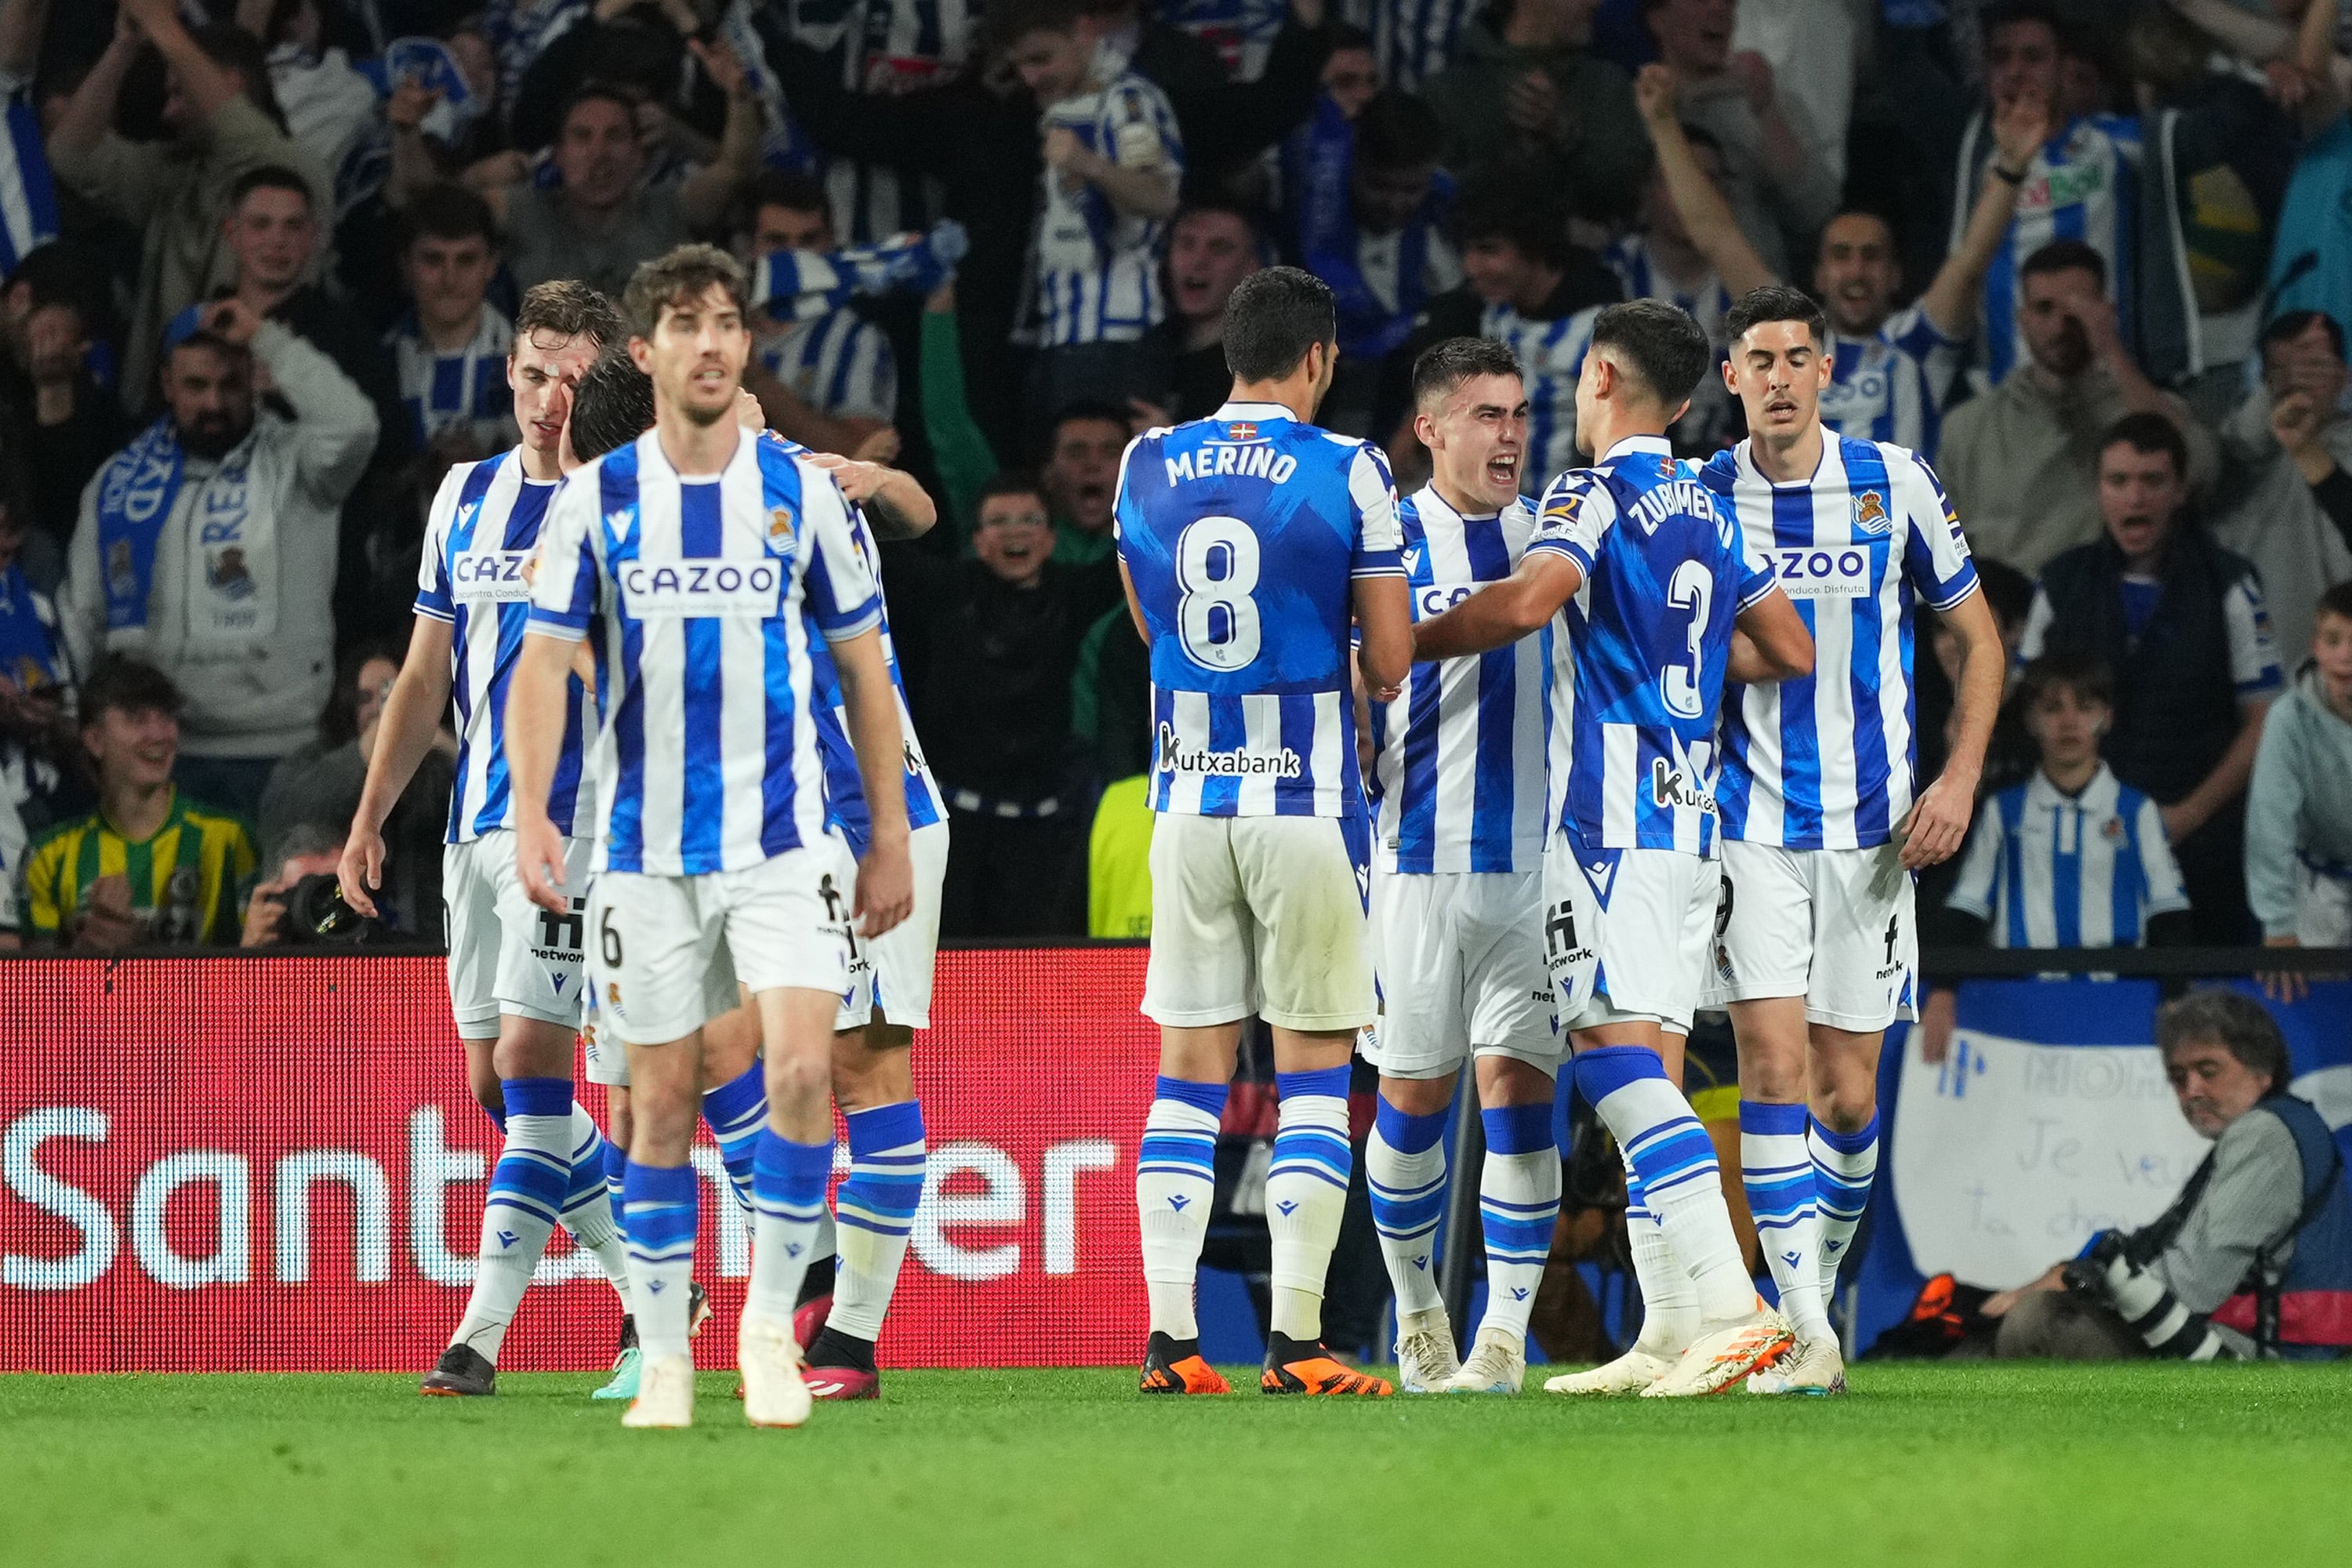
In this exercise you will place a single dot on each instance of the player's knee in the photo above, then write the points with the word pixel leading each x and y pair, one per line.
pixel 873 1067
pixel 1506 1080
pixel 1771 1074
pixel 482 1079
pixel 794 1076
pixel 530 1047
pixel 618 1120
pixel 1418 1096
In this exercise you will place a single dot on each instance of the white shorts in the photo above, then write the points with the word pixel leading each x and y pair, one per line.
pixel 506 955
pixel 1460 962
pixel 669 949
pixel 603 1060
pixel 893 972
pixel 1626 932
pixel 1833 926
pixel 1259 914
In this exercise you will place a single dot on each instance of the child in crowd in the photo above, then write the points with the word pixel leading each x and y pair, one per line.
pixel 2299 805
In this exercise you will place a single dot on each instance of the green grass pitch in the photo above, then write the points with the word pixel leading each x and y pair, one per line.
pixel 1923 1464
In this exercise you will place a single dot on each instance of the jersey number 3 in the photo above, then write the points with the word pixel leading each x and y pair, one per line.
pixel 1691 588
pixel 1217 574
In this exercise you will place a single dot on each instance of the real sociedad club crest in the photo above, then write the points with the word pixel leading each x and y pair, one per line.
pixel 780 527
pixel 1870 512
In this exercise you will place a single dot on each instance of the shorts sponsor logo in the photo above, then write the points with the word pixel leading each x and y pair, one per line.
pixel 1239 763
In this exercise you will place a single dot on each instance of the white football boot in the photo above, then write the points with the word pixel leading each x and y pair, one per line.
pixel 1725 1353
pixel 1814 1369
pixel 1425 1347
pixel 1497 1363
pixel 665 1393
pixel 1629 1373
pixel 774 1394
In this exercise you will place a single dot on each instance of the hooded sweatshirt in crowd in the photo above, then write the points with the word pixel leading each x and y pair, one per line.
pixel 2298 806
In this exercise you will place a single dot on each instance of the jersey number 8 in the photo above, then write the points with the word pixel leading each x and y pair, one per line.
pixel 1216 573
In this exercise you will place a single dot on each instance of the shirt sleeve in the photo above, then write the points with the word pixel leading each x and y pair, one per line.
pixel 1978 888
pixel 2253 659
pixel 1936 559
pixel 44 911
pixel 2159 873
pixel 2253 1195
pixel 1124 512
pixel 1573 516
pixel 433 596
pixel 1372 504
pixel 1756 577
pixel 566 578
pixel 836 584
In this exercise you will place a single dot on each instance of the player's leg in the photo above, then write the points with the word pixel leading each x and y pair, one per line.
pixel 1313 955
pixel 1843 1137
pixel 874 1085
pixel 605 1063
pixel 735 1106
pixel 1418 1043
pixel 1198 987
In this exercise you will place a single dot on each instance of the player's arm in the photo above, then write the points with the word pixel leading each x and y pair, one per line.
pixel 1384 652
pixel 1500 614
pixel 896 506
pixel 1770 642
pixel 1705 213
pixel 410 726
pixel 1950 299
pixel 1939 818
pixel 1134 605
pixel 538 700
pixel 886 877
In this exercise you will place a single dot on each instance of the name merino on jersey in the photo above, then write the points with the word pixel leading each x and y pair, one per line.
pixel 1827 760
pixel 1243 534
pixel 704 595
pixel 1638 678
pixel 1460 752
pixel 481 540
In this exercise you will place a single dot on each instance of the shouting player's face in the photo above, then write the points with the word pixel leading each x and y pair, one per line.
pixel 1778 372
pixel 696 356
pixel 542 368
pixel 1477 437
pixel 1855 274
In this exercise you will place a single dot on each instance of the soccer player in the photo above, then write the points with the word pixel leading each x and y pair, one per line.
pixel 515 977
pixel 1246 540
pixel 1457 894
pixel 706 559
pixel 1823 826
pixel 1658 600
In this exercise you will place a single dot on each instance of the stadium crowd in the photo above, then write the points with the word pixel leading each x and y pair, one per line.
pixel 261 258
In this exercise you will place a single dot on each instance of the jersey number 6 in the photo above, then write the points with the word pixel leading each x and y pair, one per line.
pixel 1216 573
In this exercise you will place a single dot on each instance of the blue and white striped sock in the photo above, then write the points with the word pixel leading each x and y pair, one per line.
pixel 1669 1305
pixel 1175 1184
pixel 1307 1192
pixel 1670 1151
pixel 1778 1173
pixel 788 1182
pixel 1844 1164
pixel 735 1111
pixel 527 1192
pixel 873 1213
pixel 1404 1165
pixel 1519 1199
pixel 660 1213
pixel 616 1172
pixel 588 1206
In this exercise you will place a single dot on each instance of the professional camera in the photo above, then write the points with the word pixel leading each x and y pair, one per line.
pixel 316 913
pixel 2105 1273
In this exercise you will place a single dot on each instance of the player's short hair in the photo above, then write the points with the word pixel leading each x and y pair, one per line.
pixel 1776 302
pixel 2231 1019
pixel 2336 601
pixel 1659 343
pixel 1445 364
pixel 2292 324
pixel 1533 224
pixel 611 406
pixel 1396 130
pixel 2065 256
pixel 267 178
pixel 447 210
pixel 2085 675
pixel 2146 432
pixel 1273 316
pixel 1007 482
pixel 125 685
pixel 569 309
pixel 1016 19
pixel 685 274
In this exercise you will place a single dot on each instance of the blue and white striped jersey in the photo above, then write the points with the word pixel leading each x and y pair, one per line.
pixel 481 539
pixel 1552 356
pixel 1094 269
pixel 838 364
pixel 845 787
pixel 28 196
pixel 706 591
pixel 1825 762
pixel 885 47
pixel 2048 870
pixel 1244 534
pixel 2080 186
pixel 1888 386
pixel 466 387
pixel 1638 666
pixel 1459 755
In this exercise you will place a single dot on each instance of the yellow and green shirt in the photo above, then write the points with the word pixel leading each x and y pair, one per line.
pixel 188 881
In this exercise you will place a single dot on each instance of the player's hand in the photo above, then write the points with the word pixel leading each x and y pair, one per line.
pixel 2285 985
pixel 859 481
pixel 264 914
pixel 1938 823
pixel 1936 1021
pixel 1653 93
pixel 538 857
pixel 886 889
pixel 2020 127
pixel 361 870
pixel 748 414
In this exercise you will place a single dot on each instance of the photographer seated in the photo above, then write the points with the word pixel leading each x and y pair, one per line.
pixel 150 866
pixel 2254 1258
